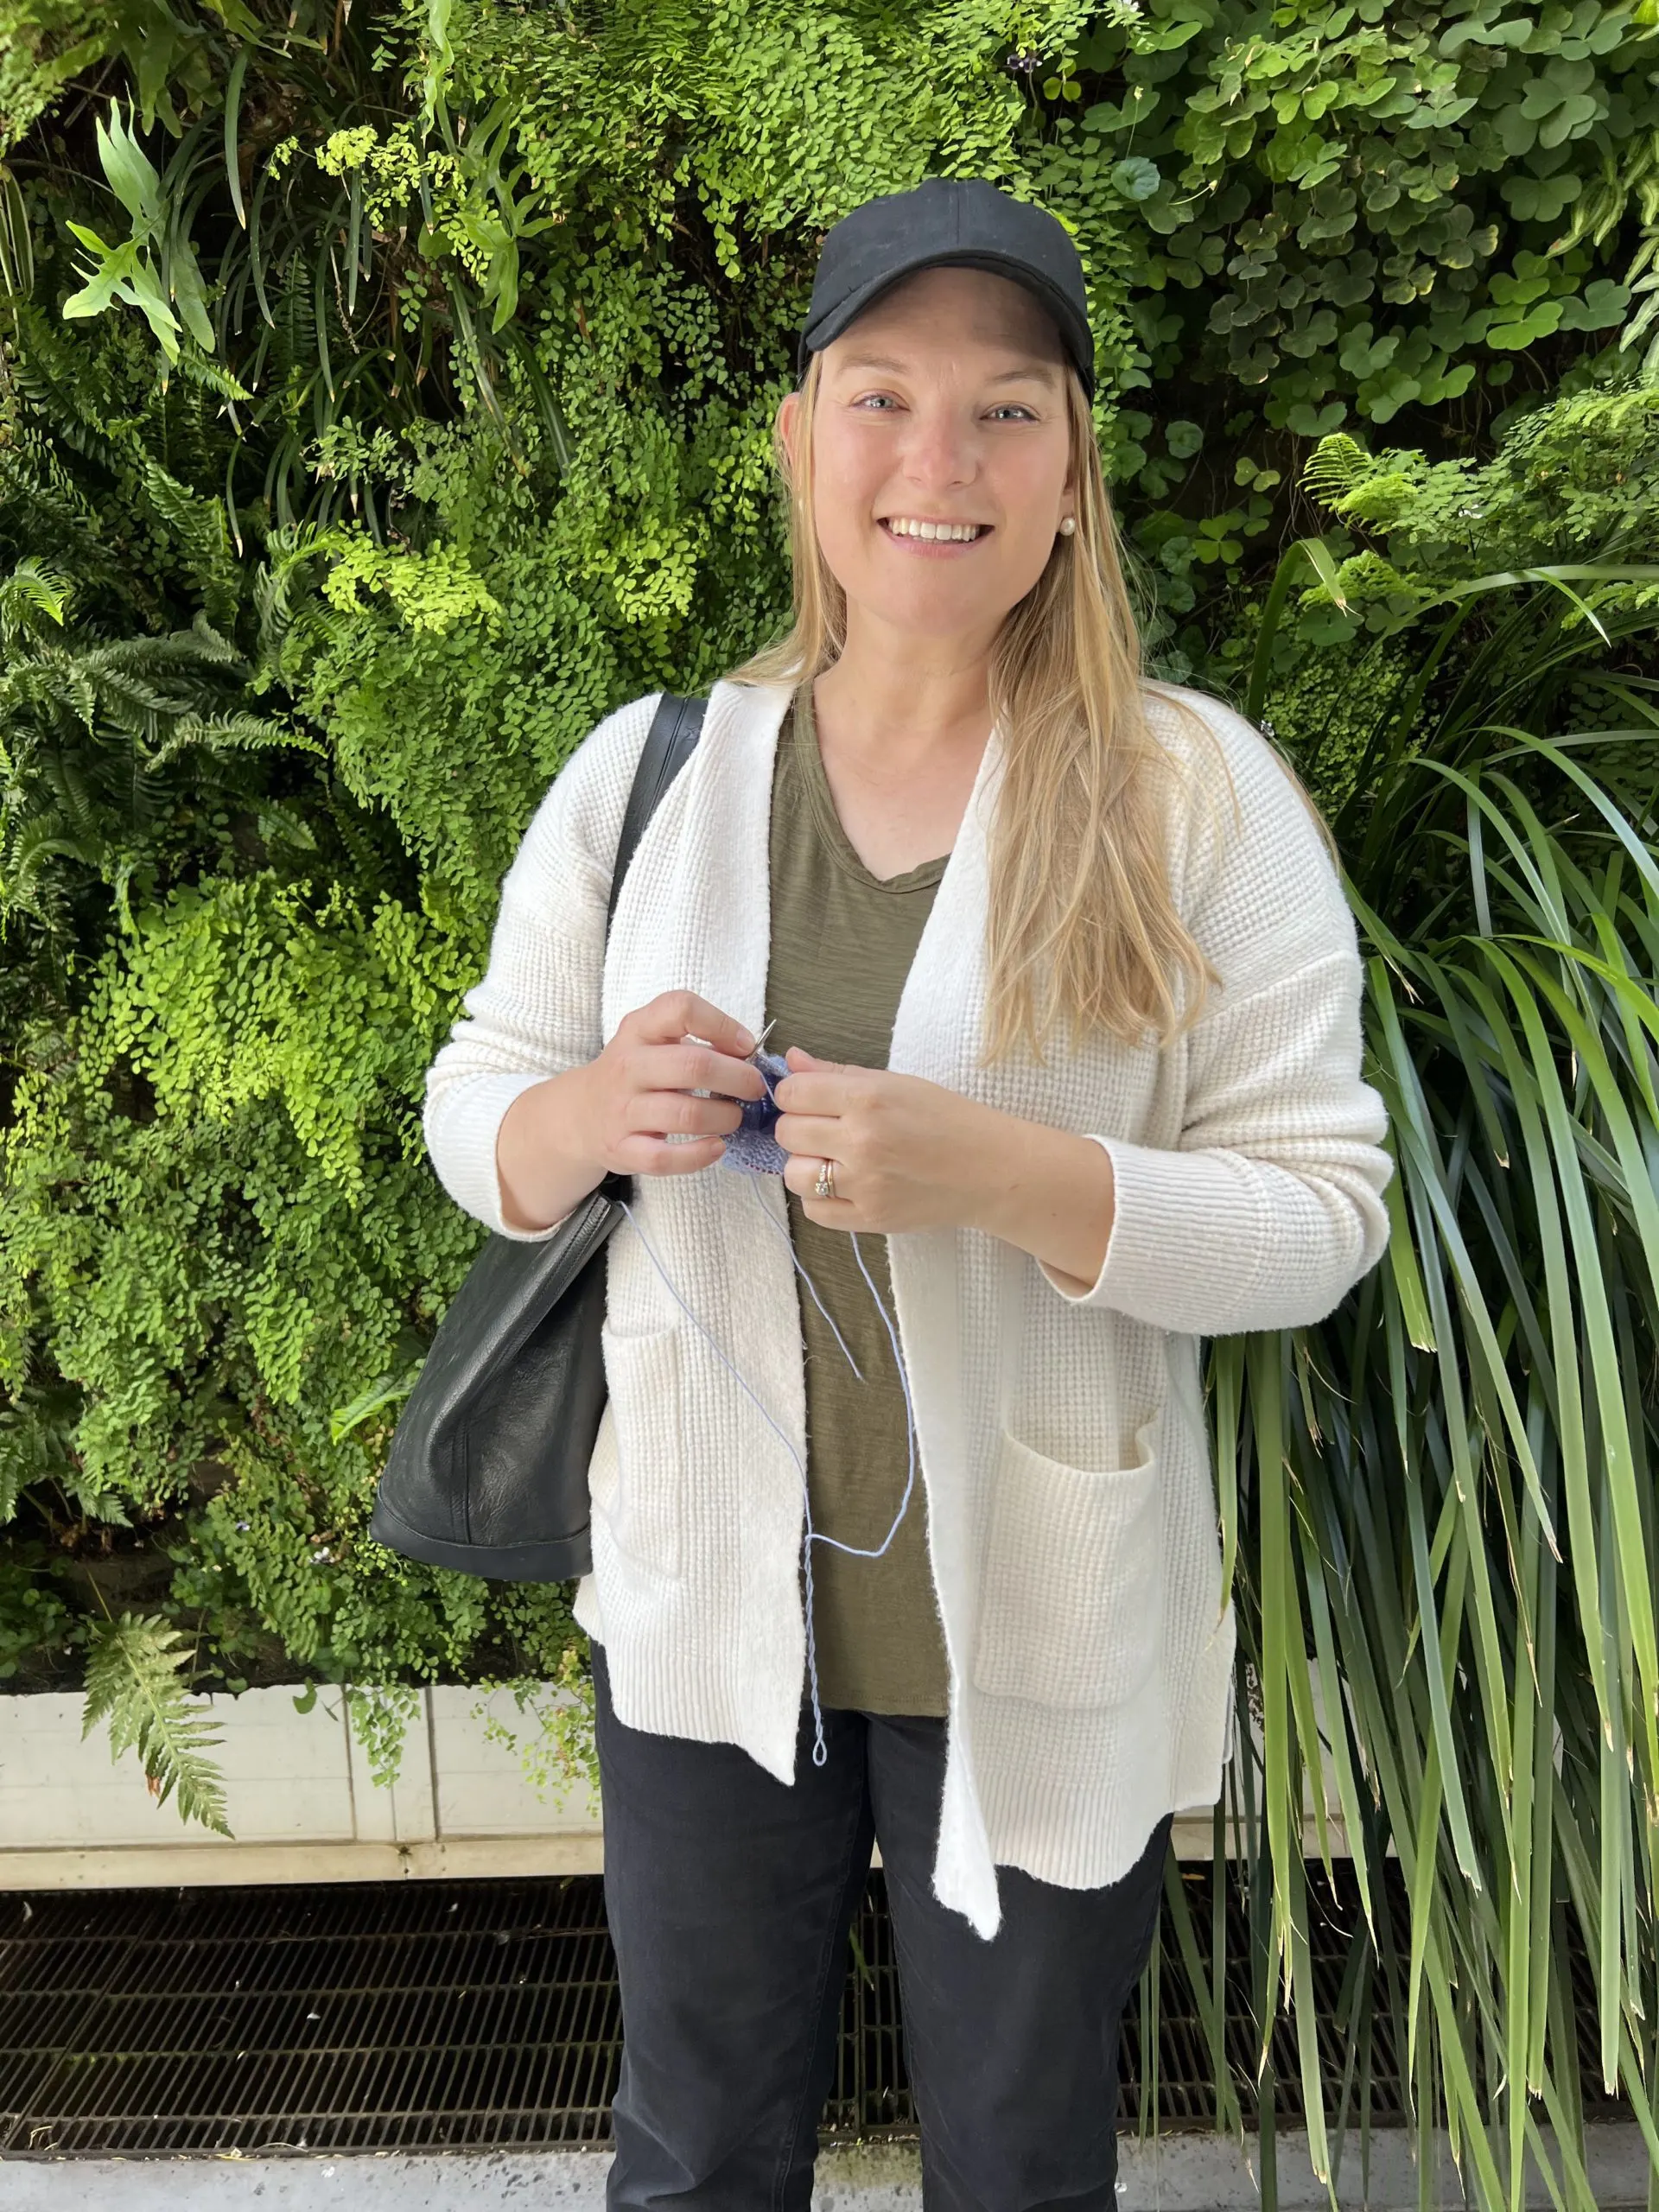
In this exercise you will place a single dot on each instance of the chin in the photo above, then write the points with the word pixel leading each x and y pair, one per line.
pixel 938 612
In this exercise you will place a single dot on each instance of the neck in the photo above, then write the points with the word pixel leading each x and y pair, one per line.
pixel 898 698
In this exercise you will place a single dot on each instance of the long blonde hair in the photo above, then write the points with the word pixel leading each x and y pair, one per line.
pixel 1081 921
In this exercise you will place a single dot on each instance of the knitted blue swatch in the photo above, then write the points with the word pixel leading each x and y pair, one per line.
pixel 752 1147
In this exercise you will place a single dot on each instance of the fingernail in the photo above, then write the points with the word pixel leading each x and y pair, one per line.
pixel 746 1039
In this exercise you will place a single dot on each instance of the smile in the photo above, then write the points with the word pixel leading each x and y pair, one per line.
pixel 916 531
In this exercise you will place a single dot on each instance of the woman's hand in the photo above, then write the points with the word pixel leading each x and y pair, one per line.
pixel 911 1154
pixel 640 1090
pixel 559 1139
pixel 908 1153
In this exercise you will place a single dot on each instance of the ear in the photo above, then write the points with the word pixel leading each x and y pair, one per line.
pixel 789 423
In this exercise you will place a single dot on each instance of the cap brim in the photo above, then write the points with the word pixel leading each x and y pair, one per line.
pixel 1078 345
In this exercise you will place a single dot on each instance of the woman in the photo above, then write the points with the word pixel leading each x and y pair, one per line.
pixel 1070 994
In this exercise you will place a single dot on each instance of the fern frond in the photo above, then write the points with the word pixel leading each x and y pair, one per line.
pixel 133 1685
pixel 34 590
pixel 11 1479
pixel 213 375
pixel 229 732
pixel 26 888
pixel 16 242
pixel 1334 469
pixel 199 532
pixel 176 653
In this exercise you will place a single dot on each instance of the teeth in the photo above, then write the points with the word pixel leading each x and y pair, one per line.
pixel 957 532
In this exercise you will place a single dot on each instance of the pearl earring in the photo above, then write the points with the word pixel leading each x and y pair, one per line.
pixel 1067 525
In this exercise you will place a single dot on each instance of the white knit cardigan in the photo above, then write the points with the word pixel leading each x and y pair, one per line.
pixel 1063 1441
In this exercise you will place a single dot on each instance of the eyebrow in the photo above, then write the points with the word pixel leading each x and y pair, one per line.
pixel 1040 371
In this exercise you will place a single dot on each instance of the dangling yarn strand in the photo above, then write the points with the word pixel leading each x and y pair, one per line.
pixel 835 1542
pixel 771 1222
pixel 810 1535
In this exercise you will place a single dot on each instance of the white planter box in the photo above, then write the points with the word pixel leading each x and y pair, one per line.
pixel 299 1799
pixel 303 1808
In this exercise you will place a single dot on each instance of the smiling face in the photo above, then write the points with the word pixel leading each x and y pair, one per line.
pixel 941 455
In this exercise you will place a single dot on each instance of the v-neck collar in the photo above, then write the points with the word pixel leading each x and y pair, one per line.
pixel 809 761
pixel 695 910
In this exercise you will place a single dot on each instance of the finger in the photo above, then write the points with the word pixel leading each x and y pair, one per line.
pixel 819 1134
pixel 688 1065
pixel 812 1090
pixel 822 1085
pixel 649 1155
pixel 801 1176
pixel 662 1113
pixel 673 1014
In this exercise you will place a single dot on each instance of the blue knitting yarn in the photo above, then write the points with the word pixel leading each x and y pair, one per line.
pixel 753 1150
pixel 752 1146
pixel 810 1535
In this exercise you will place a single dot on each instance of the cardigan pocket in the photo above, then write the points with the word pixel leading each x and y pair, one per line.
pixel 644 1509
pixel 1072 1604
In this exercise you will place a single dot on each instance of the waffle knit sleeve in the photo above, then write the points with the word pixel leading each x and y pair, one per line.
pixel 1269 1207
pixel 536 1013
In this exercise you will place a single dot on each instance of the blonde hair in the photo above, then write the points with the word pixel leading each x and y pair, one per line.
pixel 1081 918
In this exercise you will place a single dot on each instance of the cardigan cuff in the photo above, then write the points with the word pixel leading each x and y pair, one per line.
pixel 1187 1235
pixel 465 1124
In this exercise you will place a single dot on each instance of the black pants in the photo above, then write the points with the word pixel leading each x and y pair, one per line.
pixel 730 1898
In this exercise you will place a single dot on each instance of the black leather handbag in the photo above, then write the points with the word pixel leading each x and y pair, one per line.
pixel 488 1467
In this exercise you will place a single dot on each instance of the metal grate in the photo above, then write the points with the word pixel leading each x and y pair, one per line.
pixel 360 2017
pixel 463 2015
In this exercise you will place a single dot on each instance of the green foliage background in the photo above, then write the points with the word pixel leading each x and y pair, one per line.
pixel 385 393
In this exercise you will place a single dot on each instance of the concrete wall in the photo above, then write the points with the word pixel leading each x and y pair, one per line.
pixel 301 1802
pixel 302 1806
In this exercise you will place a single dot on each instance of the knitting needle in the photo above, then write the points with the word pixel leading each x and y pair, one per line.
pixel 758 1042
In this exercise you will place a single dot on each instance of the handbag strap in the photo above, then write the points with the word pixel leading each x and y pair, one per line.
pixel 675 728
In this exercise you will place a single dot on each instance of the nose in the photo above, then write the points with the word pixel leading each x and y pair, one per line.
pixel 941 446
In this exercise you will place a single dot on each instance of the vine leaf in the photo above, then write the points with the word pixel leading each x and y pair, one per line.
pixel 133 1683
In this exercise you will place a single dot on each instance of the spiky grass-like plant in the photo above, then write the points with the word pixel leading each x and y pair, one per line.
pixel 1438 1504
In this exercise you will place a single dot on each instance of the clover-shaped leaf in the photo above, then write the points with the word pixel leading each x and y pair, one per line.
pixel 1135 177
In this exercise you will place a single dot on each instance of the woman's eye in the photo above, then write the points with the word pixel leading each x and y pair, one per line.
pixel 885 402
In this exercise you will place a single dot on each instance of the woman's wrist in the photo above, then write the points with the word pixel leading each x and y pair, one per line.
pixel 543 1162
pixel 1048 1193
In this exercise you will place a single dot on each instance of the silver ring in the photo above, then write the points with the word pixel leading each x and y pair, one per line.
pixel 825 1186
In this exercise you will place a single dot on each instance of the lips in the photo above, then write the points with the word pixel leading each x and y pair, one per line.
pixel 934 534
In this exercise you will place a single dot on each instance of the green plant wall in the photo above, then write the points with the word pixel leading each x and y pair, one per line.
pixel 385 394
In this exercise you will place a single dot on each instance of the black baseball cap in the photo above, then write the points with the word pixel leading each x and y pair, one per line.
pixel 949 223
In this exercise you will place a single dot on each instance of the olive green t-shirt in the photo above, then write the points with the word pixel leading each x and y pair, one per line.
pixel 842 942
